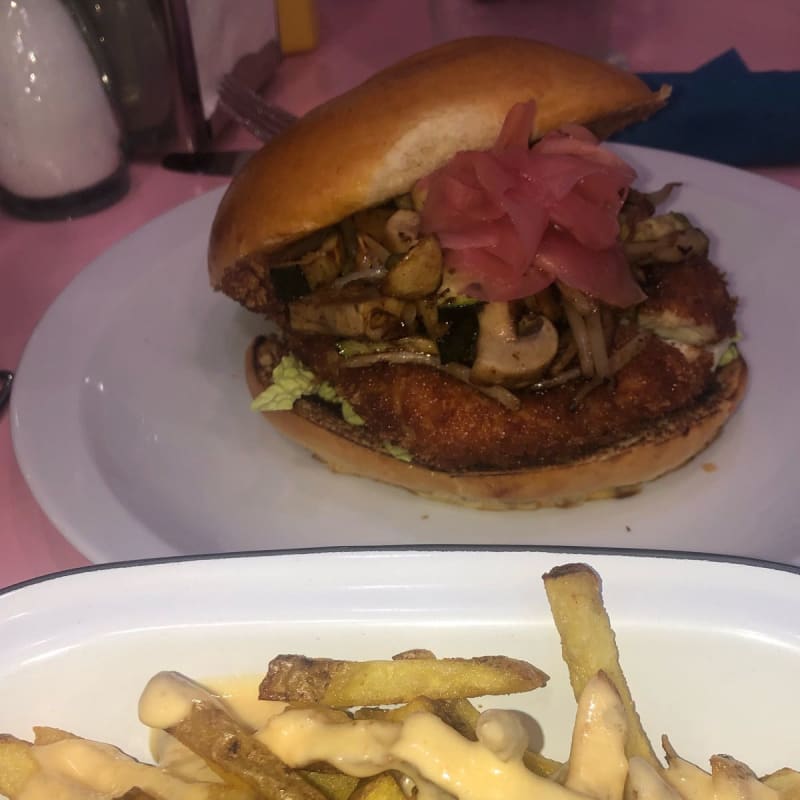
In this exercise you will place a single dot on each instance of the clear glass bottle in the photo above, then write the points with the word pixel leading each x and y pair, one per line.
pixel 62 150
pixel 133 37
pixel 149 48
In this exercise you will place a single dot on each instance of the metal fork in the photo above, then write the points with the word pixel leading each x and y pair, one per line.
pixel 251 110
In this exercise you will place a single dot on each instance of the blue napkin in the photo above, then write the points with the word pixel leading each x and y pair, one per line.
pixel 724 112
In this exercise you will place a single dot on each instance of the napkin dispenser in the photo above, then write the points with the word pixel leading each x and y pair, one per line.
pixel 166 58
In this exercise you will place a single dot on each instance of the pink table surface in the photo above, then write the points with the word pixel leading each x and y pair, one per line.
pixel 37 260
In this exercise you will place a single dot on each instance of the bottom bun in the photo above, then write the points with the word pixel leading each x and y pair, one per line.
pixel 615 471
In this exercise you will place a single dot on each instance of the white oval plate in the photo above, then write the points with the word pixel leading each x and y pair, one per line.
pixel 711 649
pixel 131 418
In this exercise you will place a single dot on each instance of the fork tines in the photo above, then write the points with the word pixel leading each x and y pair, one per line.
pixel 251 110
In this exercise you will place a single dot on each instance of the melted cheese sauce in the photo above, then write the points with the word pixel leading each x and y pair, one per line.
pixel 689 780
pixel 437 758
pixel 503 733
pixel 68 767
pixel 648 782
pixel 598 765
pixel 179 760
pixel 52 787
pixel 239 694
pixel 432 756
pixel 76 769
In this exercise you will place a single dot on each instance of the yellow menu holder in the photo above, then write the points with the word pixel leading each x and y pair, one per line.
pixel 298 25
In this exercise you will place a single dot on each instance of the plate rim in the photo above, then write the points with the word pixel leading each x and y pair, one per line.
pixel 567 550
pixel 55 510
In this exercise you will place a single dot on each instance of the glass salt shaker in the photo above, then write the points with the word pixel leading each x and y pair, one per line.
pixel 61 142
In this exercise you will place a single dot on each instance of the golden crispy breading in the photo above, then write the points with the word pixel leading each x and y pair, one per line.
pixel 449 425
pixel 249 283
pixel 694 295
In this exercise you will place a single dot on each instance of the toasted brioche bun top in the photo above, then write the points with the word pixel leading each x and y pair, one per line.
pixel 375 141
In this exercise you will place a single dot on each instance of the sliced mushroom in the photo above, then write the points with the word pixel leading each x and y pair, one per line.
pixel 296 252
pixel 503 357
pixel 417 274
pixel 546 303
pixel 369 261
pixel 295 273
pixel 402 230
pixel 349 348
pixel 372 221
pixel 428 314
pixel 583 304
pixel 665 239
pixel 351 312
pixel 323 266
pixel 371 253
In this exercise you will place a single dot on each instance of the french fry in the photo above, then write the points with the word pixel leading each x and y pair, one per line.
pixel 733 780
pixel 786 782
pixel 432 731
pixel 693 782
pixel 458 713
pixel 441 708
pixel 588 644
pixel 398 713
pixel 334 785
pixel 416 652
pixel 729 779
pixel 510 780
pixel 231 751
pixel 645 781
pixel 381 787
pixel 343 684
pixel 19 766
pixel 463 716
pixel 43 735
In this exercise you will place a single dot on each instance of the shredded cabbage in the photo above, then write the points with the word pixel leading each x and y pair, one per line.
pixel 400 453
pixel 291 380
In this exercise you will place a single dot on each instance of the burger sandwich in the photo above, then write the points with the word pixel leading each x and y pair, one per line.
pixel 469 297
